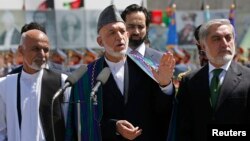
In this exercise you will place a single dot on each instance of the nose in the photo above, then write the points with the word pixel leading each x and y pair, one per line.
pixel 136 30
pixel 224 42
pixel 119 35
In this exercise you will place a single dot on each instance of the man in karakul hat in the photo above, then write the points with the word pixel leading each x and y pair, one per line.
pixel 131 105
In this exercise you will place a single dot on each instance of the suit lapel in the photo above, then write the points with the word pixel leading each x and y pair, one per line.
pixel 231 80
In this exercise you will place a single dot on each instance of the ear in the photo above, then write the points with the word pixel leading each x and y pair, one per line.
pixel 20 49
pixel 202 45
pixel 99 41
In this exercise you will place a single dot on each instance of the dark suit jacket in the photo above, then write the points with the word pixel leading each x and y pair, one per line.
pixel 144 105
pixel 194 109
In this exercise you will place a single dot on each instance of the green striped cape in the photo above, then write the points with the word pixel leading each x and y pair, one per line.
pixel 90 114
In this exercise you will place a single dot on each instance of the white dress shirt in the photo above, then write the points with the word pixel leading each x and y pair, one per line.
pixel 141 49
pixel 30 91
pixel 222 74
pixel 117 70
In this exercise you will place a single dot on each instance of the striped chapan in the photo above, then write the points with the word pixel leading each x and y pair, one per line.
pixel 90 114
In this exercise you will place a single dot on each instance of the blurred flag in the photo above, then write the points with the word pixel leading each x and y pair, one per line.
pixel 38 4
pixel 202 5
pixel 207 13
pixel 74 4
pixel 23 8
pixel 232 14
pixel 232 19
pixel 172 35
pixel 166 16
pixel 47 4
pixel 156 16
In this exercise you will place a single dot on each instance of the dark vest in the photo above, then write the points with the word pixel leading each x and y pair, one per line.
pixel 51 82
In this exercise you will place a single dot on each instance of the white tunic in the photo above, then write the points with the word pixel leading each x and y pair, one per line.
pixel 30 87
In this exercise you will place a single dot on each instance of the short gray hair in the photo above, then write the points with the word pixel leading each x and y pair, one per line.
pixel 204 30
pixel 23 36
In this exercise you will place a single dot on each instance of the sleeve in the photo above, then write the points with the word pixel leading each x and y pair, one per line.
pixel 109 129
pixel 168 90
pixel 183 117
pixel 163 110
pixel 3 126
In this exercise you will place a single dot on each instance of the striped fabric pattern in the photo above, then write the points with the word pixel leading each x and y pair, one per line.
pixel 90 114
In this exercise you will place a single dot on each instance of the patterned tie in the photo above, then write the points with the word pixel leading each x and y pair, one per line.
pixel 214 87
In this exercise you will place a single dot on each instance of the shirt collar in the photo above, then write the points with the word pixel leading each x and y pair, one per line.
pixel 141 49
pixel 115 66
pixel 31 76
pixel 224 67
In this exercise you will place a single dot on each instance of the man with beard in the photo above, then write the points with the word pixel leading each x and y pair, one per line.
pixel 217 95
pixel 137 21
pixel 130 103
pixel 25 97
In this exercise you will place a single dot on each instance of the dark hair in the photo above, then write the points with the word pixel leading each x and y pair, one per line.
pixel 196 33
pixel 31 26
pixel 135 8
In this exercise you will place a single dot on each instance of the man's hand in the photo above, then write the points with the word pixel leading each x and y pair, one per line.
pixel 127 130
pixel 165 70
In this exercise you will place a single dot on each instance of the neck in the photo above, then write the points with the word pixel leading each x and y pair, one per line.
pixel 115 59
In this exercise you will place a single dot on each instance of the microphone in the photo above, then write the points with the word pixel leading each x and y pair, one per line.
pixel 101 79
pixel 72 79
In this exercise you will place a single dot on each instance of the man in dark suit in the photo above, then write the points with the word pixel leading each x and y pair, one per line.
pixel 207 99
pixel 137 21
pixel 130 104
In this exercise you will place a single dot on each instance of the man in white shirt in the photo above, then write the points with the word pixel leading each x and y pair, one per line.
pixel 25 98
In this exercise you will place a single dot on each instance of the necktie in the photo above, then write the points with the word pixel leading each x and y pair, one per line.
pixel 214 87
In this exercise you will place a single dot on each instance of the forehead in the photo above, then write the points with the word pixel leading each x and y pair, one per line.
pixel 35 37
pixel 113 26
pixel 217 30
pixel 137 16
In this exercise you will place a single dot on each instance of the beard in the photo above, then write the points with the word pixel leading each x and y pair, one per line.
pixel 113 53
pixel 221 60
pixel 36 64
pixel 134 43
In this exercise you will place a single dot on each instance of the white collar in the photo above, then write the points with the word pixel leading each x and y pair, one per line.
pixel 141 49
pixel 31 77
pixel 115 65
pixel 224 67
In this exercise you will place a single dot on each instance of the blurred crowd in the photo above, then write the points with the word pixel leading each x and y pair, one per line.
pixel 60 60
pixel 67 61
